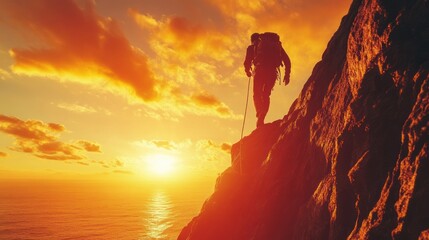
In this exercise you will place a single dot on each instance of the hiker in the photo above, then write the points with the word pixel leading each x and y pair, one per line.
pixel 266 54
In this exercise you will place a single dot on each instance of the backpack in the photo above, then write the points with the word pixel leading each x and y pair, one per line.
pixel 268 51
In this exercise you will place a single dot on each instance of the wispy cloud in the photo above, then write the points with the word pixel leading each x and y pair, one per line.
pixel 83 163
pixel 4 74
pixel 157 144
pixel 113 164
pixel 42 139
pixel 76 108
pixel 168 145
pixel 82 108
pixel 3 154
pixel 123 172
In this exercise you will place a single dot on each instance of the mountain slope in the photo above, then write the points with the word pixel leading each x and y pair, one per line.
pixel 350 159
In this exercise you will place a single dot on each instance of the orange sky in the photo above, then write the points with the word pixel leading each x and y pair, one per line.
pixel 94 88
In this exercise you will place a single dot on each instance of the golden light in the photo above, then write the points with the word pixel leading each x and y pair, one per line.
pixel 161 164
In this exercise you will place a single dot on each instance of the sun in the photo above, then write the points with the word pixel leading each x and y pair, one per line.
pixel 161 164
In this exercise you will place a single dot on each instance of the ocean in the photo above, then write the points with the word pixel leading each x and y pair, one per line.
pixel 53 210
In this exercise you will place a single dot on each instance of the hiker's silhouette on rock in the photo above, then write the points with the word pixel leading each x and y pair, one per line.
pixel 265 55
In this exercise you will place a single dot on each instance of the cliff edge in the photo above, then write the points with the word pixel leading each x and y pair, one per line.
pixel 350 159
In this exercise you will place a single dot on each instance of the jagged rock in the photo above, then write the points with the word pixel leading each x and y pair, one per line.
pixel 350 159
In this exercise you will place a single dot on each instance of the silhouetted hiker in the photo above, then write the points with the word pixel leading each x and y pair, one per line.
pixel 266 54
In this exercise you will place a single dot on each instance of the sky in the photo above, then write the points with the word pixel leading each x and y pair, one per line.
pixel 141 89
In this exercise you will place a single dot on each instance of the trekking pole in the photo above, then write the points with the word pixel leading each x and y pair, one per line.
pixel 244 121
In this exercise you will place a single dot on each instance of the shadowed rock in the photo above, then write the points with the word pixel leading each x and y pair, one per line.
pixel 350 159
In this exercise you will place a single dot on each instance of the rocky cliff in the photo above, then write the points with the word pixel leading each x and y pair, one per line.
pixel 350 159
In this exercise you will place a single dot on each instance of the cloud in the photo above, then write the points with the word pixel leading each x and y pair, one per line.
pixel 180 32
pixel 89 146
pixel 79 46
pixel 119 163
pixel 189 49
pixel 4 74
pixel 109 163
pixel 42 139
pixel 123 172
pixel 190 52
pixel 164 144
pixel 3 154
pixel 199 103
pixel 81 108
pixel 76 108
pixel 31 129
pixel 211 102
pixel 230 7
pixel 226 147
pixel 145 21
pixel 56 127
pixel 157 144
pixel 187 37
pixel 76 44
pixel 54 147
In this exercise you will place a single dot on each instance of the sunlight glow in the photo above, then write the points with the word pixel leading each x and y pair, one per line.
pixel 161 164
pixel 159 212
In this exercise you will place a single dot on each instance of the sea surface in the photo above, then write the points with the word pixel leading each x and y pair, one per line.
pixel 87 210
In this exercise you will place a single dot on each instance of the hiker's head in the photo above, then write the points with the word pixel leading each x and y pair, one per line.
pixel 254 37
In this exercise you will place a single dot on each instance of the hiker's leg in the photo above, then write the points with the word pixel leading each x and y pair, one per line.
pixel 271 76
pixel 258 81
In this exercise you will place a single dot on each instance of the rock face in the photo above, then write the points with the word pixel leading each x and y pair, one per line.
pixel 350 159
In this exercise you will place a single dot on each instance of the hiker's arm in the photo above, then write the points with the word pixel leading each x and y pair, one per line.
pixel 248 61
pixel 287 64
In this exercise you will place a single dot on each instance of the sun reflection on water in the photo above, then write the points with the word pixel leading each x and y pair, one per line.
pixel 158 218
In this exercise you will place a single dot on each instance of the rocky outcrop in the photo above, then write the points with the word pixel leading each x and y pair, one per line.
pixel 350 159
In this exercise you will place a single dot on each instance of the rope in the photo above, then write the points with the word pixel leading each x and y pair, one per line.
pixel 244 121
